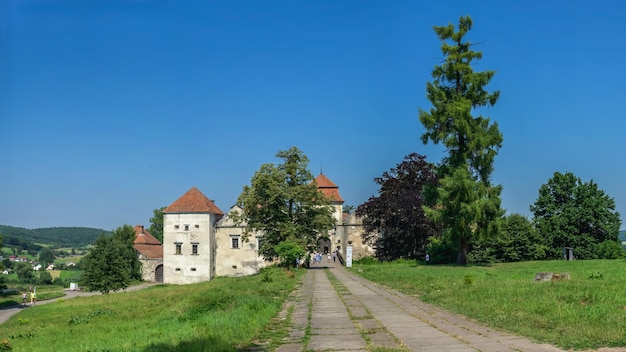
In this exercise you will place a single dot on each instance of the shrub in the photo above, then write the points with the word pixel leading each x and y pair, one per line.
pixel 609 250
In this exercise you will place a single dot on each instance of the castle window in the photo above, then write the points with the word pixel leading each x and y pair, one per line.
pixel 177 269
pixel 194 249
pixel 193 269
pixel 234 241
pixel 179 248
pixel 197 226
pixel 176 227
pixel 186 227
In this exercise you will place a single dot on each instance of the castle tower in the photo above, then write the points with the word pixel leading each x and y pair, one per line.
pixel 331 191
pixel 189 239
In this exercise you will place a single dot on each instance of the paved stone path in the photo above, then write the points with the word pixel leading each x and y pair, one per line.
pixel 344 312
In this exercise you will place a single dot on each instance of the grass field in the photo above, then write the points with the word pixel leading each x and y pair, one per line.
pixel 586 311
pixel 221 315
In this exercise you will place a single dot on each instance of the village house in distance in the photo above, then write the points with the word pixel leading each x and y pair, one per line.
pixel 201 242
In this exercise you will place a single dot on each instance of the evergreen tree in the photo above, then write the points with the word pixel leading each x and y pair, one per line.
pixel 466 204
pixel 283 202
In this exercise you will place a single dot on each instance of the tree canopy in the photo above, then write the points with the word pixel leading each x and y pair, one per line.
pixel 572 213
pixel 47 255
pixel 112 263
pixel 156 224
pixel 465 203
pixel 394 220
pixel 282 202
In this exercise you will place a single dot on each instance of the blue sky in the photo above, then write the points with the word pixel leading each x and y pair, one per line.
pixel 110 109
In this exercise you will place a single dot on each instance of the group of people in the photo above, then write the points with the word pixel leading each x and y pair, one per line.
pixel 317 257
pixel 32 292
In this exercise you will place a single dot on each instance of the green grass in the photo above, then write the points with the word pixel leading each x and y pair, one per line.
pixel 587 311
pixel 223 314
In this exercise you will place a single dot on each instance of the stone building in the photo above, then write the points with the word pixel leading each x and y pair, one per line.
pixel 150 253
pixel 201 242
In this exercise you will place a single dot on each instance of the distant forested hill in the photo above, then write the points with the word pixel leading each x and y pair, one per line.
pixel 55 236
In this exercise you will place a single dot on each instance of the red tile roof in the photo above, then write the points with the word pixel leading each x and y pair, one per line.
pixel 151 251
pixel 193 202
pixel 328 188
pixel 146 244
pixel 143 236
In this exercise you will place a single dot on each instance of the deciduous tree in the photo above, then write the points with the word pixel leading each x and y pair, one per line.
pixel 572 213
pixel 394 220
pixel 112 263
pixel 46 256
pixel 24 272
pixel 283 202
pixel 156 224
pixel 466 203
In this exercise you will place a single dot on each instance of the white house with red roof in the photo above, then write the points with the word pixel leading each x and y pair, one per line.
pixel 189 238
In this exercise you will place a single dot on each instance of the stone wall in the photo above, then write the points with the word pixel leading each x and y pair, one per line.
pixel 148 267
pixel 349 233
pixel 236 261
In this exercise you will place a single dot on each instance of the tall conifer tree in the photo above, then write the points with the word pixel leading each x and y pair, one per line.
pixel 466 203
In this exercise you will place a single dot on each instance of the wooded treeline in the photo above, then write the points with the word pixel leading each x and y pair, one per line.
pixel 28 239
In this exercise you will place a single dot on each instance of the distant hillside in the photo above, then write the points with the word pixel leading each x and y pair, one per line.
pixel 55 236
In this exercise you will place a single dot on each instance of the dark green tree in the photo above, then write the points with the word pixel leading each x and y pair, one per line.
pixel 106 267
pixel 125 236
pixel 156 224
pixel 46 256
pixel 112 263
pixel 572 213
pixel 24 272
pixel 394 221
pixel 283 202
pixel 518 241
pixel 44 278
pixel 465 204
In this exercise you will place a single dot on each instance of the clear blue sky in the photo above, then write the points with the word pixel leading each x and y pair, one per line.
pixel 112 108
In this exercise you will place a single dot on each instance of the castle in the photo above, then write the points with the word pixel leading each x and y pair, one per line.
pixel 201 242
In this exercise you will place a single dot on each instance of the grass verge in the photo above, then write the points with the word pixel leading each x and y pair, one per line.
pixel 586 311
pixel 224 314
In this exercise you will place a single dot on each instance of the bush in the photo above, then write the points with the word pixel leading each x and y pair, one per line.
pixel 609 250
pixel 45 278
pixel 289 252
pixel 441 250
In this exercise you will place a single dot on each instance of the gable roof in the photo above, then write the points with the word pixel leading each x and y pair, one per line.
pixel 328 188
pixel 143 236
pixel 193 202
pixel 147 244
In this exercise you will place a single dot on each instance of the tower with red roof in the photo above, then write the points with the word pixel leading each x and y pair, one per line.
pixel 189 238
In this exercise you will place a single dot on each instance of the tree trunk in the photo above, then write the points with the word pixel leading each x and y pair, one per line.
pixel 461 255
